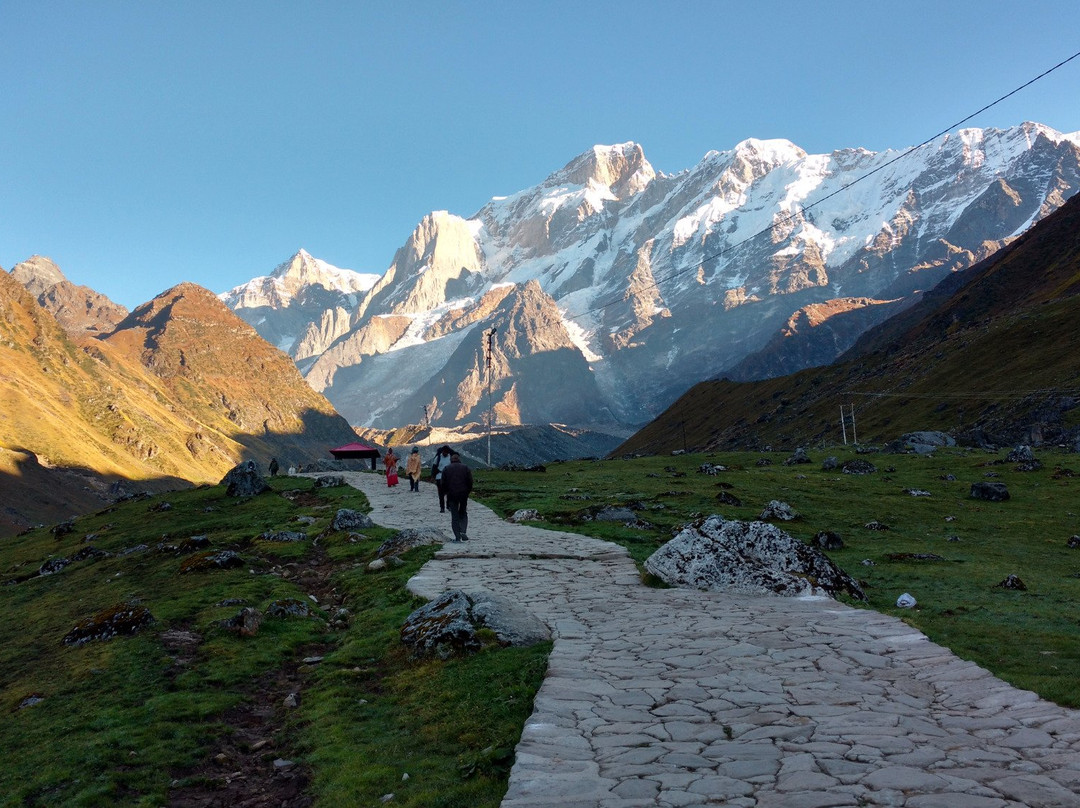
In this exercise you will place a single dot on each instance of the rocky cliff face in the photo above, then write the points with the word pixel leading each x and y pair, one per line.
pixel 758 260
pixel 79 309
pixel 178 392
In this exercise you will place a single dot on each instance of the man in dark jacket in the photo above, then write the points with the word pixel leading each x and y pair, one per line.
pixel 457 480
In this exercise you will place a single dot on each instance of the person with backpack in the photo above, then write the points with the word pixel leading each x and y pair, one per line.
pixel 442 460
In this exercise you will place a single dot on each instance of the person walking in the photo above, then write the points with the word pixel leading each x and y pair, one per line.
pixel 442 460
pixel 273 467
pixel 458 482
pixel 390 461
pixel 412 469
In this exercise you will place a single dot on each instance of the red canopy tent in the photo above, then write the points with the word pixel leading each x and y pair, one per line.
pixel 356 451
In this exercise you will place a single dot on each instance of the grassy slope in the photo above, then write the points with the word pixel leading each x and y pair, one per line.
pixel 960 605
pixel 120 720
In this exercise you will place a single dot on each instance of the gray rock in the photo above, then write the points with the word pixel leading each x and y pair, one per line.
pixel 1021 454
pixel 525 515
pixel 1013 582
pixel 53 566
pixel 990 492
pixel 830 463
pixel 244 481
pixel 926 442
pixel 283 536
pixel 797 457
pixel 122 619
pixel 614 514
pixel 858 466
pixel 448 625
pixel 827 540
pixel 330 481
pixel 749 557
pixel 246 622
pixel 779 510
pixel 289 607
pixel 409 538
pixel 1073 542
pixel 347 519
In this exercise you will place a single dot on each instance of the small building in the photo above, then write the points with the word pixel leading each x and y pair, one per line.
pixel 356 451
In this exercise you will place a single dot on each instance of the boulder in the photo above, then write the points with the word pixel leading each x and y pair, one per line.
pixel 244 481
pixel 409 538
pixel 726 498
pixel 348 519
pixel 613 513
pixel 830 463
pixel 779 510
pixel 283 536
pixel 1021 454
pixel 1013 582
pixel 1073 542
pixel 827 540
pixel 121 619
pixel 525 515
pixel 330 481
pixel 926 442
pixel 750 558
pixel 990 492
pixel 797 457
pixel 53 566
pixel 453 624
pixel 246 622
pixel 290 607
pixel 208 560
pixel 858 466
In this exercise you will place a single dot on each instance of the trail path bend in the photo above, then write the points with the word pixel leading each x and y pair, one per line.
pixel 670 697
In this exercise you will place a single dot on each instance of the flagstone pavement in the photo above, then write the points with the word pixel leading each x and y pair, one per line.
pixel 671 697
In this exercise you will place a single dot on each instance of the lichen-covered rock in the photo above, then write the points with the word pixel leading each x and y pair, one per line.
pixel 53 566
pixel 454 623
pixel 285 536
pixel 779 510
pixel 747 557
pixel 797 457
pixel 409 538
pixel 348 519
pixel 290 607
pixel 830 463
pixel 990 492
pixel 191 544
pixel 1021 454
pixel 244 481
pixel 209 560
pixel 858 466
pixel 613 513
pixel 1013 582
pixel 121 619
pixel 246 622
pixel 726 498
pixel 525 515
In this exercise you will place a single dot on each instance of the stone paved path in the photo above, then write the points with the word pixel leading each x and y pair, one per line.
pixel 671 697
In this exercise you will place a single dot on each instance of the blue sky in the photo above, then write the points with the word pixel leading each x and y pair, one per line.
pixel 147 143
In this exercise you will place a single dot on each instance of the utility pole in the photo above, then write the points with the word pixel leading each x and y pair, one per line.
pixel 854 437
pixel 490 346
pixel 843 424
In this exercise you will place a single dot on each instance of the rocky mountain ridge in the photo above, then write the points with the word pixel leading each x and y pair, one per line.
pixel 179 391
pixel 760 260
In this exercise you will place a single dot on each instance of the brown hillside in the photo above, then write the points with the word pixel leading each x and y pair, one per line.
pixel 989 355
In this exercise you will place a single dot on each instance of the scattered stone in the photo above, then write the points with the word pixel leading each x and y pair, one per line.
pixel 1021 454
pixel 244 481
pixel 246 622
pixel 1061 473
pixel 305 520
pixel 830 463
pixel 525 515
pixel 232 602
pixel 189 545
pixel 409 538
pixel 207 560
pixel 378 565
pixel 260 745
pixel 763 461
pixel 952 538
pixel 456 623
pixel 53 566
pixel 285 536
pixel 866 562
pixel 950 518
pixel 916 492
pixel 874 524
pixel 123 618
pixel 90 552
pixel 348 519
pixel 926 442
pixel 827 540
pixel 280 764
pixel 728 499
pixel 1012 582
pixel 797 457
pixel 949 478
pixel 613 513
pixel 312 660
pixel 778 510
pixel 63 528
pixel 1073 542
pixel 1031 465
pixel 161 507
pixel 289 607
pixel 138 548
pixel 31 700
pixel 750 557
pixel 990 492
pixel 906 601
pixel 712 469
pixel 858 466
pixel 330 481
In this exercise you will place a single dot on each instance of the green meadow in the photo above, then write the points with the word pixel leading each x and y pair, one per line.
pixel 186 708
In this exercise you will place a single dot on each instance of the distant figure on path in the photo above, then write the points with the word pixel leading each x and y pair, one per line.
pixel 457 480
pixel 390 461
pixel 442 460
pixel 273 466
pixel 412 469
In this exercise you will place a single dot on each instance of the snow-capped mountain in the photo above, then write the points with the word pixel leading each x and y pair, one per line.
pixel 303 305
pixel 612 287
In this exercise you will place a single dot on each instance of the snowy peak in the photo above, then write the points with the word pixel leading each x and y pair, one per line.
pixel 293 277
pixel 622 169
